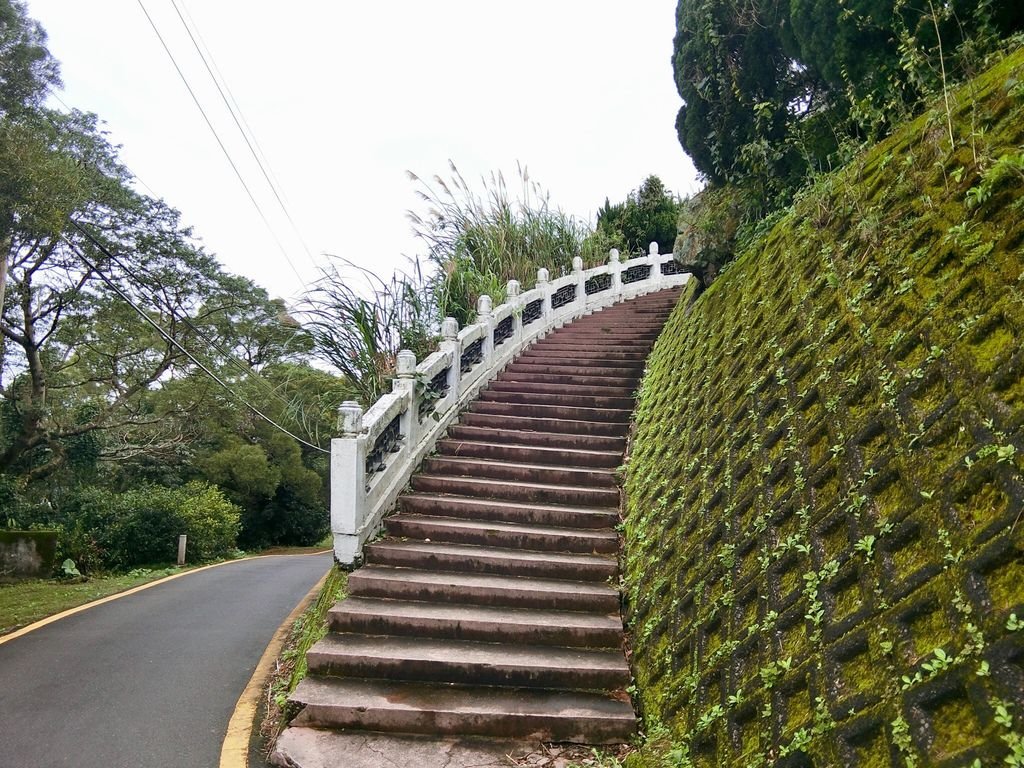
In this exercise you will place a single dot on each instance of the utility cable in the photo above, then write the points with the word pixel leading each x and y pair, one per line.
pixel 220 143
pixel 227 355
pixel 238 123
pixel 174 342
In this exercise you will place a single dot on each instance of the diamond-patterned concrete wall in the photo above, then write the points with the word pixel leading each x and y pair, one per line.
pixel 824 542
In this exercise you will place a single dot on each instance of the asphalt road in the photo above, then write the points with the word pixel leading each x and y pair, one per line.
pixel 149 680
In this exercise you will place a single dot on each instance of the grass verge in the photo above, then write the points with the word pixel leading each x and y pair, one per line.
pixel 24 602
pixel 290 668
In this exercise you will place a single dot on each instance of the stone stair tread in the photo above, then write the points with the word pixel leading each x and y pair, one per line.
pixel 523 528
pixel 510 505
pixel 438 708
pixel 454 579
pixel 370 648
pixel 492 481
pixel 473 550
pixel 469 461
pixel 575 452
pixel 414 609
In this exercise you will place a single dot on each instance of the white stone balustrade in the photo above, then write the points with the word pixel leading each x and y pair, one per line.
pixel 377 451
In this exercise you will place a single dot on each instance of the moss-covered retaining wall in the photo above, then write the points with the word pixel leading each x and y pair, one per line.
pixel 26 554
pixel 824 546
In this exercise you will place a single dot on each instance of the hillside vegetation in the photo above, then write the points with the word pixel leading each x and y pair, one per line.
pixel 824 547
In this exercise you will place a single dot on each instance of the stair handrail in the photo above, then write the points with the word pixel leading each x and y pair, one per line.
pixel 376 452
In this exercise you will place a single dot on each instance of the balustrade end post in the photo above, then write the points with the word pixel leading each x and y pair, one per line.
pixel 348 489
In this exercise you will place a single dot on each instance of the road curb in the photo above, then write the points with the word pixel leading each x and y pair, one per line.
pixel 234 751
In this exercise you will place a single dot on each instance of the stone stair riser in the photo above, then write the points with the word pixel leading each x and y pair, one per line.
pixel 464 486
pixel 537 727
pixel 458 672
pixel 546 475
pixel 568 412
pixel 537 454
pixel 509 595
pixel 599 570
pixel 542 398
pixel 520 633
pixel 482 509
pixel 603 542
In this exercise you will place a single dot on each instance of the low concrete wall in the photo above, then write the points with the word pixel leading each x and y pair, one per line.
pixel 25 554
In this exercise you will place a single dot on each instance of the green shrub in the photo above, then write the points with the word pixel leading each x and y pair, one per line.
pixel 103 529
pixel 209 520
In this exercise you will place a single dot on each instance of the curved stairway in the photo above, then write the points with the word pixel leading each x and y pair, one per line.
pixel 492 608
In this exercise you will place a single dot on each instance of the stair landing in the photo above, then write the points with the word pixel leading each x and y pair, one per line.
pixel 491 608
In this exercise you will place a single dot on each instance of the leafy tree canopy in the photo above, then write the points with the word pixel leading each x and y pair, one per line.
pixel 775 88
pixel 648 214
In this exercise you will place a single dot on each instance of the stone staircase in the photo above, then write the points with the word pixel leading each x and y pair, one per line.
pixel 491 608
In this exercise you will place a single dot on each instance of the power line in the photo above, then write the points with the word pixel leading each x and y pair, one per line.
pixel 228 356
pixel 220 143
pixel 167 336
pixel 236 114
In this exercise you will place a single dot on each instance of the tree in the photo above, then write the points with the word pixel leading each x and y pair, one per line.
pixel 737 82
pixel 649 214
pixel 78 360
pixel 27 69
pixel 773 89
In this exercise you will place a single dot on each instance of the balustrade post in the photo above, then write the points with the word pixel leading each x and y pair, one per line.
pixel 348 482
pixel 450 345
pixel 615 267
pixel 512 297
pixel 486 318
pixel 545 291
pixel 581 283
pixel 652 257
pixel 405 385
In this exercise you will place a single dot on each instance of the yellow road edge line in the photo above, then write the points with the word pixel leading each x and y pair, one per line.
pixel 117 596
pixel 234 751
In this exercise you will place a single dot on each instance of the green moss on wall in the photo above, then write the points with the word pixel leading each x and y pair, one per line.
pixel 824 556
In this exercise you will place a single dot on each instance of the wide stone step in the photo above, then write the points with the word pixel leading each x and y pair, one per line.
pixel 470 558
pixel 563 426
pixel 482 589
pixel 429 660
pixel 588 718
pixel 584 518
pixel 450 466
pixel 599 443
pixel 468 622
pixel 570 412
pixel 614 368
pixel 588 354
pixel 563 399
pixel 516 491
pixel 542 387
pixel 530 454
pixel 578 379
pixel 497 534
pixel 592 371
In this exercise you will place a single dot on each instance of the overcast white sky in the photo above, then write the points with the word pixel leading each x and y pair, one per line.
pixel 344 97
